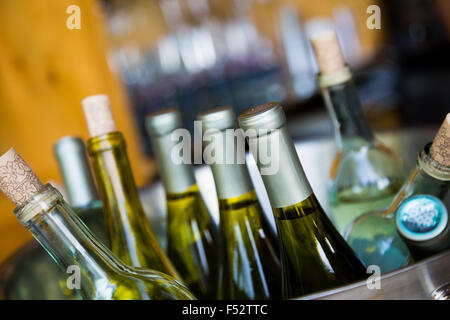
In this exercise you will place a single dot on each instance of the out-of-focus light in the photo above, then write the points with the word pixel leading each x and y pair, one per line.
pixel 169 57
pixel 203 46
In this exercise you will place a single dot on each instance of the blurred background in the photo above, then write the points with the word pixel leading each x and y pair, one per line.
pixel 148 55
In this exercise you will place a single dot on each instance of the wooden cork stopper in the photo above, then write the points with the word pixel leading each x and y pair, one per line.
pixel 97 112
pixel 17 181
pixel 440 148
pixel 328 52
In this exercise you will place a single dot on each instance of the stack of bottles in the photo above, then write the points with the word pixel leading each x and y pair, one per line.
pixel 107 236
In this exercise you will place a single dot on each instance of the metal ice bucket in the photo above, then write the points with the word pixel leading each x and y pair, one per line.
pixel 30 273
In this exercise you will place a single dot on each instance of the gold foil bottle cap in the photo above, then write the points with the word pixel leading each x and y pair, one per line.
pixel 328 52
pixel 440 148
pixel 98 114
pixel 17 181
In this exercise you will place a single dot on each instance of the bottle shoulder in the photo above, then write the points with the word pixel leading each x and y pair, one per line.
pixel 367 173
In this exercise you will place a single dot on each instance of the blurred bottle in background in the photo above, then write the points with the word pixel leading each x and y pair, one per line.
pixel 192 240
pixel 365 174
pixel 82 195
pixel 198 54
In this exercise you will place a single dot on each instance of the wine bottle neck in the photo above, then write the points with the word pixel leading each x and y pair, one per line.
pixel 114 177
pixel 176 176
pixel 345 109
pixel 429 177
pixel 229 169
pixel 280 167
pixel 76 173
pixel 62 234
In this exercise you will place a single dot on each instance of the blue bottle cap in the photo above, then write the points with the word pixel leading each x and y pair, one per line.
pixel 421 218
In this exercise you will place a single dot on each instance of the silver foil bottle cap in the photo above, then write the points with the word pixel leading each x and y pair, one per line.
pixel 231 177
pixel 177 176
pixel 219 118
pixel 163 122
pixel 281 169
pixel 265 116
pixel 73 163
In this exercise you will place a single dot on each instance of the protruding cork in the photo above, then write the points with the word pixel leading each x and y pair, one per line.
pixel 440 148
pixel 97 112
pixel 328 52
pixel 17 181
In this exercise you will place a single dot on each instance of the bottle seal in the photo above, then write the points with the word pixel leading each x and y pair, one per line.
pixel 268 116
pixel 17 181
pixel 73 164
pixel 163 122
pixel 177 174
pixel 221 118
pixel 440 149
pixel 275 155
pixel 229 169
pixel 328 52
pixel 421 218
pixel 98 114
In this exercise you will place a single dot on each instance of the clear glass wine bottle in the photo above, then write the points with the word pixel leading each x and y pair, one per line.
pixel 365 174
pixel 95 272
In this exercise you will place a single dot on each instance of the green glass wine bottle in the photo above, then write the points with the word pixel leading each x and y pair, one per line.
pixel 365 174
pixel 373 235
pixel 94 271
pixel 191 232
pixel 422 218
pixel 131 236
pixel 250 266
pixel 71 156
pixel 314 256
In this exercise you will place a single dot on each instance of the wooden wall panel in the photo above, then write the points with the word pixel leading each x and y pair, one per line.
pixel 45 71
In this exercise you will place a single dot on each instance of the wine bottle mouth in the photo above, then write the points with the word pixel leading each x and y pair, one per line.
pixel 38 204
pixel 105 142
pixel 163 122
pixel 268 116
pixel 331 79
pixel 432 167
